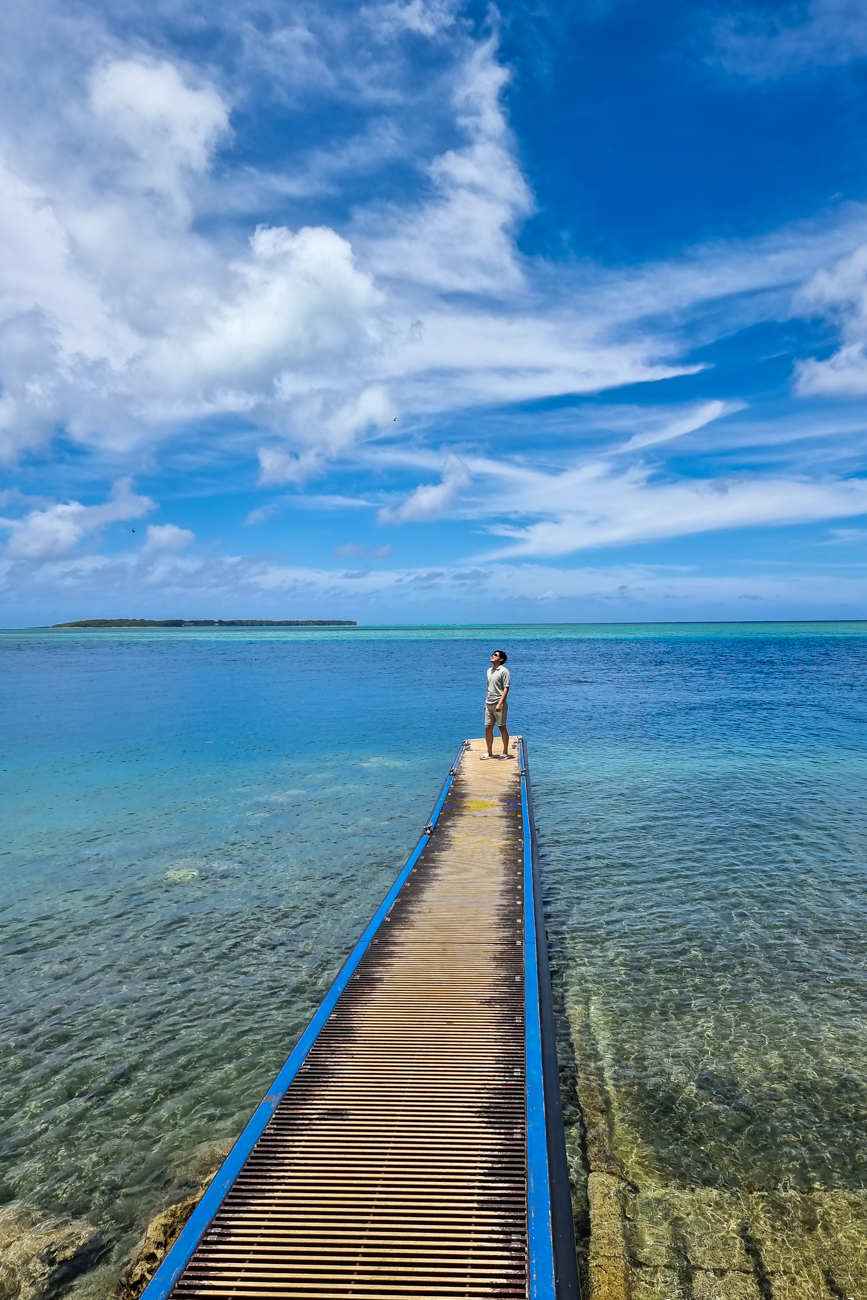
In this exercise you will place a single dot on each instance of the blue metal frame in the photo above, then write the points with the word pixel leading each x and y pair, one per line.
pixel 542 1284
pixel 181 1252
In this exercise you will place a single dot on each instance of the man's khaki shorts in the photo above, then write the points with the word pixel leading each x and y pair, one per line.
pixel 495 717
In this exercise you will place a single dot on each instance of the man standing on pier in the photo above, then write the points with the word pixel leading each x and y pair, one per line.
pixel 497 703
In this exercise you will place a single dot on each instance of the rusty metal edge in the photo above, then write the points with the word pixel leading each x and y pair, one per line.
pixel 197 1225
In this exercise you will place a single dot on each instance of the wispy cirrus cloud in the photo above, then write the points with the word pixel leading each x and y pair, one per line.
pixel 429 500
pixel 207 585
pixel 592 507
pixel 358 551
pixel 774 42
pixel 697 418
pixel 614 498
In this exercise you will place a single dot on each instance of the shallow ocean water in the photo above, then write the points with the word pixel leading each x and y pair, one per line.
pixel 199 823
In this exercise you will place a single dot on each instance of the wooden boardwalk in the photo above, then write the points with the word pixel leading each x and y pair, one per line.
pixel 393 1156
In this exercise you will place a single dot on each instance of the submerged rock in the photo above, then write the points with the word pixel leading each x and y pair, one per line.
pixel 160 1235
pixel 164 1228
pixel 40 1253
pixel 199 1165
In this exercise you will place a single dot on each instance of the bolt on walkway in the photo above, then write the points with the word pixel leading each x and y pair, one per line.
pixel 403 1151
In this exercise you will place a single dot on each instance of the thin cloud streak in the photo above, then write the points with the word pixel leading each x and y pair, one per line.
pixel 698 418
pixel 207 585
pixel 604 509
pixel 822 33
pixel 598 503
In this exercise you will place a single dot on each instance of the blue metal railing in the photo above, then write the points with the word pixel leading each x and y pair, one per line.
pixel 179 1256
pixel 540 1240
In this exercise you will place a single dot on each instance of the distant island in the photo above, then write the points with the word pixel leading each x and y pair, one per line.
pixel 210 622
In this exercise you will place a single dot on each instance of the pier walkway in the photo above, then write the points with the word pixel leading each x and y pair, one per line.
pixel 412 1145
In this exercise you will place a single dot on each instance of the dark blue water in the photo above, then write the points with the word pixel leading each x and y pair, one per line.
pixel 198 824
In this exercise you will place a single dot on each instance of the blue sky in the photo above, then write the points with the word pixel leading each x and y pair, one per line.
pixel 418 311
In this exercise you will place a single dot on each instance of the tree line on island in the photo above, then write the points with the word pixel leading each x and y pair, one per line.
pixel 210 622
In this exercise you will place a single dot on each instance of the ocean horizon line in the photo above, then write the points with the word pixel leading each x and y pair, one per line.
pixel 349 626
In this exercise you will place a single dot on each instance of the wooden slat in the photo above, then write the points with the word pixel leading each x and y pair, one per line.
pixel 395 1164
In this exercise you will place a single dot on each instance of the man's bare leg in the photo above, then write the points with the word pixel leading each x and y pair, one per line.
pixel 504 732
pixel 489 740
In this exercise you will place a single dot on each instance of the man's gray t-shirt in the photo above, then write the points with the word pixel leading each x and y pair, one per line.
pixel 498 680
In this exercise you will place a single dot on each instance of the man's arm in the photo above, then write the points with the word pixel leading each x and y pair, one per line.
pixel 504 694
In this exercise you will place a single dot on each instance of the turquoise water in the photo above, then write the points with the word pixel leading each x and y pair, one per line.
pixel 198 823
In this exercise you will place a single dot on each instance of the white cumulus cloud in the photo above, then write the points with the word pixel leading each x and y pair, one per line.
pixel 166 123
pixel 130 308
pixel 58 529
pixel 296 299
pixel 167 537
